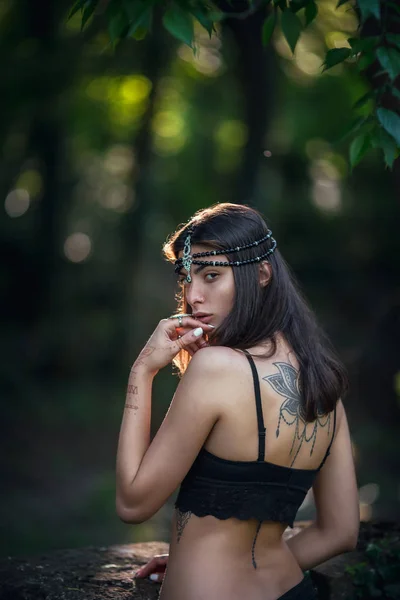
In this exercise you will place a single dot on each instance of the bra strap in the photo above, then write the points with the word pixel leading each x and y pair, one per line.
pixel 260 419
pixel 328 451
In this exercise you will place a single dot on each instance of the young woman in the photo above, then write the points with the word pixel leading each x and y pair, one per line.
pixel 250 427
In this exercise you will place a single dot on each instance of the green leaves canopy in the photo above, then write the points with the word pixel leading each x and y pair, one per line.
pixel 133 18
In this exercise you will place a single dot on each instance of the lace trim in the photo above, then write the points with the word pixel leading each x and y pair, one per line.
pixel 250 501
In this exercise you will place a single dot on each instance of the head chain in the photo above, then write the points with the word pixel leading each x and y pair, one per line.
pixel 187 259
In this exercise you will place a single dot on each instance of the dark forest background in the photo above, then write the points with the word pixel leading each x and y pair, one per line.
pixel 103 152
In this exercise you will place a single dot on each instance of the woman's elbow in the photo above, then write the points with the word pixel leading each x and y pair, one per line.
pixel 349 538
pixel 352 540
pixel 127 515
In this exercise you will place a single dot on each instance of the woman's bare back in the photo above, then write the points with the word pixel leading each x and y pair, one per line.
pixel 210 558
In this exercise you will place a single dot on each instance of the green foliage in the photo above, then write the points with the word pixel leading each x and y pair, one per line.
pixel 390 61
pixel 358 148
pixel 379 575
pixel 132 18
pixel 369 8
pixel 390 122
pixel 180 23
pixel 268 27
pixel 336 56
pixel 291 28
pixel 310 12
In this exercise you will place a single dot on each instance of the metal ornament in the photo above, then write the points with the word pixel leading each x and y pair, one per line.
pixel 187 259
pixel 179 317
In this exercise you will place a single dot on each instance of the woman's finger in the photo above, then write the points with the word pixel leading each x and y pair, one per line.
pixel 192 349
pixel 157 577
pixel 156 565
pixel 189 338
pixel 187 323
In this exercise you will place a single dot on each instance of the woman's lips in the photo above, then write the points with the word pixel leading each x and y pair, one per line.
pixel 205 319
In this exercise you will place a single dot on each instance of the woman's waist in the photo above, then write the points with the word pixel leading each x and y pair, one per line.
pixel 217 570
pixel 230 538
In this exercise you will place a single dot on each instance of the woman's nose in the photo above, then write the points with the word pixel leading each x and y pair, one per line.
pixel 194 294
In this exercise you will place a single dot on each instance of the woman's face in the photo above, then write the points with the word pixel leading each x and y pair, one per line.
pixel 211 291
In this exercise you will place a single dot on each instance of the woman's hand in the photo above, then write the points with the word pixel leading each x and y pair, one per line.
pixel 169 338
pixel 155 567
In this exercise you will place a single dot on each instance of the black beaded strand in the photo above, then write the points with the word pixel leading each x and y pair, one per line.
pixel 214 263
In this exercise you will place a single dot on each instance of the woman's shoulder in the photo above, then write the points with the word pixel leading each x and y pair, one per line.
pixel 220 358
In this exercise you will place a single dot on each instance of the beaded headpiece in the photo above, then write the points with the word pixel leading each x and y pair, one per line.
pixel 190 259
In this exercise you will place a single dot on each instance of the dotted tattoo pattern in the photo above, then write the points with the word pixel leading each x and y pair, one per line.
pixel 182 519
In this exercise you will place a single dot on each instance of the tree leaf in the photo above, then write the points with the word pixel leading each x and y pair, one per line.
pixel 291 28
pixel 358 148
pixel 117 20
pixel 310 12
pixel 369 7
pixel 335 56
pixel 88 11
pixel 395 92
pixel 203 18
pixel 366 44
pixel 140 15
pixel 217 15
pixel 393 38
pixel 390 60
pixel 390 122
pixel 268 28
pixel 140 33
pixel 361 101
pixel 180 24
pixel 117 26
pixel 365 61
pixel 381 139
pixel 78 5
pixel 355 126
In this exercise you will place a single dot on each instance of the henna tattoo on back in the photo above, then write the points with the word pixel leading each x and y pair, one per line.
pixel 287 384
pixel 182 519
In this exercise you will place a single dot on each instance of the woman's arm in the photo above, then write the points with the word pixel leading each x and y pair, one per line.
pixel 336 499
pixel 313 546
pixel 134 437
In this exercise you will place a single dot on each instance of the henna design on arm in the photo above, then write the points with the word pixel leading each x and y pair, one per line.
pixel 132 390
pixel 145 352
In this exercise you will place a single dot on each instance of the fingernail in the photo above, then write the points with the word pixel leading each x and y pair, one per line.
pixel 198 332
pixel 153 577
pixel 213 326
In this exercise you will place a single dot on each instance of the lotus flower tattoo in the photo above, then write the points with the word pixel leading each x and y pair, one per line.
pixel 287 384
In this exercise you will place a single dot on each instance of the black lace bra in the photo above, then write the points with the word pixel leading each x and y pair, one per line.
pixel 246 489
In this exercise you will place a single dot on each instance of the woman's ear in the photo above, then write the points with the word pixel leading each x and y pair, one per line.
pixel 265 273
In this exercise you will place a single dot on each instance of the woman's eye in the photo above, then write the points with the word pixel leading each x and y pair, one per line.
pixel 212 275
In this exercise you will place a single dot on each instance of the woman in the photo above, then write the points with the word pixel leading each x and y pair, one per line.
pixel 252 422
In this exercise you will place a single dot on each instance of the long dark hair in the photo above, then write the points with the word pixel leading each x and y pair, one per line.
pixel 259 313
